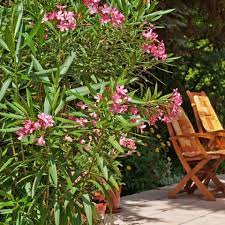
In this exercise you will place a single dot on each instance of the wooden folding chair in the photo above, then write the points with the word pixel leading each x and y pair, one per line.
pixel 206 118
pixel 199 164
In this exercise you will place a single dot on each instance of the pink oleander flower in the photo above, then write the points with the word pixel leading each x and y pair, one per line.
pixel 155 47
pixel 120 99
pixel 97 131
pixel 60 16
pixel 69 16
pixel 117 17
pixel 141 127
pixel 117 108
pixel 176 102
pixel 153 119
pixel 68 138
pixel 49 16
pixel 150 34
pixel 82 105
pixel 98 97
pixel 41 141
pixel 45 120
pixel 158 51
pixel 105 9
pixel 94 122
pixel 117 98
pixel 120 90
pixel 110 15
pixel 166 119
pixel 146 48
pixel 81 121
pixel 82 141
pixel 134 110
pixel 94 115
pixel 173 107
pixel 61 7
pixel 65 20
pixel 135 119
pixel 128 143
pixel 105 19
pixel 92 5
pixel 62 27
pixel 28 128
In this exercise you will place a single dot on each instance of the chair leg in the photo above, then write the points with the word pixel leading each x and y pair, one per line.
pixel 202 188
pixel 212 176
pixel 194 187
pixel 219 185
pixel 190 176
pixel 206 176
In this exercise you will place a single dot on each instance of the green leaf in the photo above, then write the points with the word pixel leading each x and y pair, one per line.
pixel 66 65
pixel 12 116
pixel 9 39
pixel 53 172
pixel 115 144
pixel 57 213
pixel 87 208
pixel 37 65
pixel 158 14
pixel 6 164
pixel 9 130
pixel 19 18
pixel 103 167
pixel 6 194
pixel 37 181
pixel 4 88
pixel 3 44
pixel 83 90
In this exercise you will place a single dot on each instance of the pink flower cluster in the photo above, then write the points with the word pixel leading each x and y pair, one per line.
pixel 111 15
pixel 107 13
pixel 153 45
pixel 176 101
pixel 81 121
pixel 29 127
pixel 92 5
pixel 65 20
pixel 173 107
pixel 128 143
pixel 120 99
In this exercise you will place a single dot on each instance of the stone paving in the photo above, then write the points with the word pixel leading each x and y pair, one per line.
pixel 153 207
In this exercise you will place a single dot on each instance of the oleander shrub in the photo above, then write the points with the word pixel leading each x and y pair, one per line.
pixel 68 106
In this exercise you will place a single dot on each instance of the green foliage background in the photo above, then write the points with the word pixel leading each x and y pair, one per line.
pixel 196 34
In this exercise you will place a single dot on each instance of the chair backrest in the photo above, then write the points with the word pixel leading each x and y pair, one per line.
pixel 205 115
pixel 181 125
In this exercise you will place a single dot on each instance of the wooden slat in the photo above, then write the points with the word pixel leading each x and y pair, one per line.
pixel 207 114
pixel 182 126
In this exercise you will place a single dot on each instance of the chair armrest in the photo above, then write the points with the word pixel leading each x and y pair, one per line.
pixel 207 135
pixel 220 133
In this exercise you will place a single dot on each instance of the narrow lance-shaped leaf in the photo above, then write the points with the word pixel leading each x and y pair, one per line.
pixel 37 182
pixel 87 208
pixel 57 213
pixel 115 144
pixel 66 65
pixel 19 18
pixel 53 172
pixel 4 88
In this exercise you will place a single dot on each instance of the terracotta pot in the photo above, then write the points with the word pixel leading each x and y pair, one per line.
pixel 114 204
pixel 101 208
pixel 99 197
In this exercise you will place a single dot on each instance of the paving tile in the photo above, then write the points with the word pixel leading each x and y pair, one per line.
pixel 153 207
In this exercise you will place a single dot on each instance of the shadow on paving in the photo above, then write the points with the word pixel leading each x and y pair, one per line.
pixel 154 207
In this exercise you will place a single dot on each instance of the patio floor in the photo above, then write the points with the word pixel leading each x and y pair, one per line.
pixel 153 207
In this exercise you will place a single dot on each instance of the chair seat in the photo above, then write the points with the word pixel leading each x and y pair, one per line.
pixel 217 152
pixel 196 155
